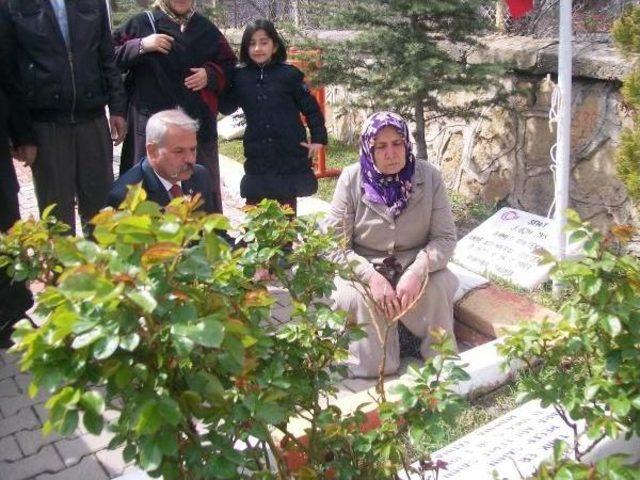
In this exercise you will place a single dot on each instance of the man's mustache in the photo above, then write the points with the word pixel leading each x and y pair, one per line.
pixel 184 169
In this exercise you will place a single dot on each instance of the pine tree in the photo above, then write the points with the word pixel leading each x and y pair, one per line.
pixel 626 33
pixel 406 56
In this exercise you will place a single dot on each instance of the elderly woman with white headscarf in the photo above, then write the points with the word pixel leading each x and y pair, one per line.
pixel 173 57
pixel 394 217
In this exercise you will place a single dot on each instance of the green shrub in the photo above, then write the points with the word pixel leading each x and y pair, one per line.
pixel 587 366
pixel 160 322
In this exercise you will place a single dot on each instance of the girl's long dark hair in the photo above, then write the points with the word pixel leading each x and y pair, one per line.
pixel 280 54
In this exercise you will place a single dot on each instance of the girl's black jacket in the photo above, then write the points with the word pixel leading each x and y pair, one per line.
pixel 273 97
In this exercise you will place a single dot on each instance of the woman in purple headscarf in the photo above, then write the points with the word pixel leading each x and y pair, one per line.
pixel 394 217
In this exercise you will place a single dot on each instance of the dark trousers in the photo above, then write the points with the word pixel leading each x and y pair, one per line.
pixel 74 163
pixel 15 297
pixel 134 150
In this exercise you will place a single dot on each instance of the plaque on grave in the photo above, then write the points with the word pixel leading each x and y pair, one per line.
pixel 507 246
pixel 513 444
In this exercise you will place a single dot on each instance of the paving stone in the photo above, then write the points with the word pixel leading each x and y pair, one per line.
pixel 88 469
pixel 23 380
pixel 45 461
pixel 9 449
pixel 7 357
pixel 10 405
pixel 8 370
pixel 133 473
pixel 359 384
pixel 282 296
pixel 31 441
pixel 112 461
pixel 281 314
pixel 25 419
pixel 72 450
pixel 41 412
pixel 8 389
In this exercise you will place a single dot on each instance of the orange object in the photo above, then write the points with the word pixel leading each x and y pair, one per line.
pixel 308 61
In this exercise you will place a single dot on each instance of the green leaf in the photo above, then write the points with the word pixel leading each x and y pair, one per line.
pixel 129 453
pixel 167 443
pixel 52 379
pixel 148 420
pixel 169 410
pixel 271 413
pixel 150 454
pixel 143 299
pixel 94 423
pixel 612 325
pixel 207 385
pixel 69 423
pixel 636 402
pixel 212 333
pixel 559 449
pixel 105 347
pixel 130 342
pixel 620 406
pixel 88 338
pixel 591 285
pixel 93 402
pixel 564 474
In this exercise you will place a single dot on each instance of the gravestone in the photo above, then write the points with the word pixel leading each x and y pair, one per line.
pixel 508 245
pixel 512 445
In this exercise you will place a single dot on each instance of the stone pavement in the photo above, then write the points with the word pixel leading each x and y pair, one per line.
pixel 24 452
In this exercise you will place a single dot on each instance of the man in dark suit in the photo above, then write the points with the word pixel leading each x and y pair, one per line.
pixel 15 132
pixel 170 168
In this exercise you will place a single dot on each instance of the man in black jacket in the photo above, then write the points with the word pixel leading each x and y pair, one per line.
pixel 15 127
pixel 67 65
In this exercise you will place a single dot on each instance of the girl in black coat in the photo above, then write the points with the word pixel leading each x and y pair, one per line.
pixel 273 95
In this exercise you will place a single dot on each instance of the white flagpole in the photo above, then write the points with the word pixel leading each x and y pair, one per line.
pixel 563 153
pixel 109 13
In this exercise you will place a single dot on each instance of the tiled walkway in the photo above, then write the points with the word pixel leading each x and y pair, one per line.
pixel 24 453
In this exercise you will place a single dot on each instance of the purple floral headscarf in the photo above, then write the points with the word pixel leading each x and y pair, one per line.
pixel 392 190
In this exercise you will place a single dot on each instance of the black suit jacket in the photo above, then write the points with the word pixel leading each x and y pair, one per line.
pixel 200 182
pixel 15 125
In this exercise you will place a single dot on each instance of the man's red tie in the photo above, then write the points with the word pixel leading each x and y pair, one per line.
pixel 175 191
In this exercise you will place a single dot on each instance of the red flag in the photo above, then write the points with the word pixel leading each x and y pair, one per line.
pixel 519 7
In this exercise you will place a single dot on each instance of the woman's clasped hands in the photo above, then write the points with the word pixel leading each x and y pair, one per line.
pixel 394 302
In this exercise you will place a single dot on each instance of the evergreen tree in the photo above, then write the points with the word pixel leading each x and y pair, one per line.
pixel 626 33
pixel 406 56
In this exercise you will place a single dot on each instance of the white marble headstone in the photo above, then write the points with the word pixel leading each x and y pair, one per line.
pixel 507 246
pixel 513 444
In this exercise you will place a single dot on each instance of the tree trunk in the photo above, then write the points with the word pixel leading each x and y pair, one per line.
pixel 273 10
pixel 421 143
pixel 501 21
pixel 295 12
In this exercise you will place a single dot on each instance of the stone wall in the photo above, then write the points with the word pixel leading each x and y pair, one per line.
pixel 503 156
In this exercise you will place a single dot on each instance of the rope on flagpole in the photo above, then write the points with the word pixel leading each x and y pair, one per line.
pixel 556 99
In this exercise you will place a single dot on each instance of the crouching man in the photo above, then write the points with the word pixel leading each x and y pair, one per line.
pixel 169 169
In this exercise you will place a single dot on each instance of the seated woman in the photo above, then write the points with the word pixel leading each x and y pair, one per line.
pixel 393 209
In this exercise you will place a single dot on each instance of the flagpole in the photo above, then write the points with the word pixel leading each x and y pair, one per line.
pixel 563 152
